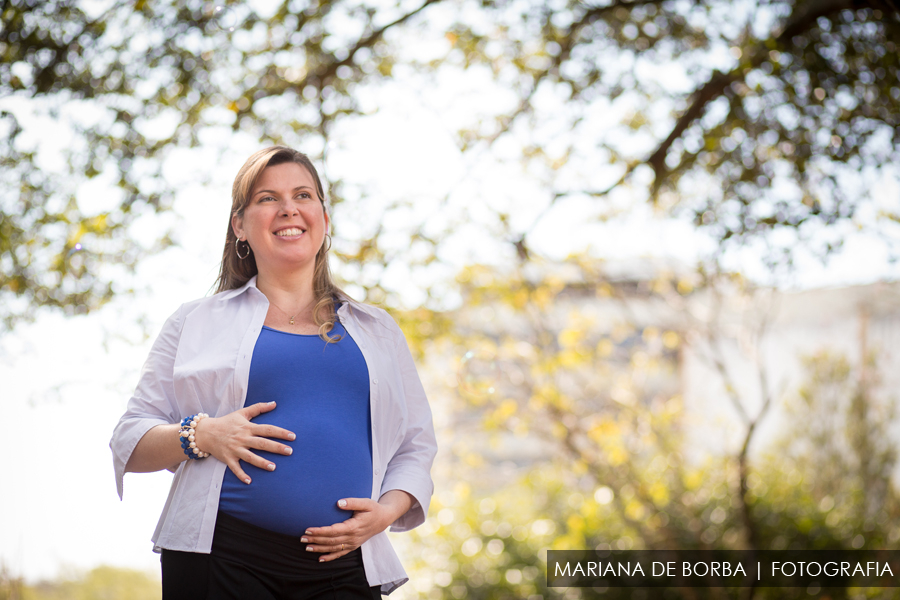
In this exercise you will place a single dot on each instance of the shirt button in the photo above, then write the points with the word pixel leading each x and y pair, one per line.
pixel 377 472
pixel 375 382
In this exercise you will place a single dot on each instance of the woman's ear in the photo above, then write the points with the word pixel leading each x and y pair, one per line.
pixel 237 225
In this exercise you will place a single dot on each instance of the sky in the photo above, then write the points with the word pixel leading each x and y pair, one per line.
pixel 66 380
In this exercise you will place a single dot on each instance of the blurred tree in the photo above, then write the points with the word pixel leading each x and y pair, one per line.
pixel 838 439
pixel 751 116
pixel 100 583
pixel 10 585
pixel 124 84
pixel 573 433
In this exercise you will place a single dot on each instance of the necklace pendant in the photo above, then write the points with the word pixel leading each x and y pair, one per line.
pixel 292 320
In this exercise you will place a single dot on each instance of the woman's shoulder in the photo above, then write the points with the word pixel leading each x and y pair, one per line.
pixel 206 304
pixel 369 314
pixel 231 297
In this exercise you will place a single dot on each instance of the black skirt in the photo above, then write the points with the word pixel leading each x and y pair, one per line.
pixel 251 563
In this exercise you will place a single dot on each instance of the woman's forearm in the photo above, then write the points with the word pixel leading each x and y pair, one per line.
pixel 159 449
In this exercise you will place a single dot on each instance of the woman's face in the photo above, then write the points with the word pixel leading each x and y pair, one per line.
pixel 284 221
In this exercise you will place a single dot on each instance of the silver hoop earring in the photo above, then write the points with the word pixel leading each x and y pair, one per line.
pixel 237 249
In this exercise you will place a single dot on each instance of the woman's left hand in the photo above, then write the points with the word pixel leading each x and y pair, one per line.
pixel 369 518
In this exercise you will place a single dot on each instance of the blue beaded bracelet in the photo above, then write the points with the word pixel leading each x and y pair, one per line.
pixel 187 433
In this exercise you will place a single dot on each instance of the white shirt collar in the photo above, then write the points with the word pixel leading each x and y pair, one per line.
pixel 363 308
pixel 238 291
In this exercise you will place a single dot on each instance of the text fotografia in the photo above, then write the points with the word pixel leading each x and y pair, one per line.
pixel 723 568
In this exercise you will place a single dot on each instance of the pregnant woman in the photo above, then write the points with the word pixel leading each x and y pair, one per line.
pixel 292 416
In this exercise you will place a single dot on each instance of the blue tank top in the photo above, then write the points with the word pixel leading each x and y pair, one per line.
pixel 322 391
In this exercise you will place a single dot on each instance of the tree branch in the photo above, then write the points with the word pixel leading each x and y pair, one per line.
pixel 595 13
pixel 804 17
pixel 366 42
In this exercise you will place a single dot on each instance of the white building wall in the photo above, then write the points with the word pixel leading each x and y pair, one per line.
pixel 846 321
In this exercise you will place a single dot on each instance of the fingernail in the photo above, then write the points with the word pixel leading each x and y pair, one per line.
pixel 272 402
pixel 247 480
pixel 288 449
pixel 309 548
pixel 342 503
pixel 321 560
pixel 270 467
pixel 304 540
pixel 307 532
pixel 292 437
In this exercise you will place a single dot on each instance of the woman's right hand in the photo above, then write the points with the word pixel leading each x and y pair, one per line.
pixel 230 438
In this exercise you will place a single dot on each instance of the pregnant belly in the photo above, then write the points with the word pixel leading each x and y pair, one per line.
pixel 304 488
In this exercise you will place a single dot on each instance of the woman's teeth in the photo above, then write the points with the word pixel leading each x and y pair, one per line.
pixel 287 232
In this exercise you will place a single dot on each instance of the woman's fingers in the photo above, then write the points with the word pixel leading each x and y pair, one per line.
pixel 251 459
pixel 238 471
pixel 337 552
pixel 357 504
pixel 267 431
pixel 254 410
pixel 274 447
pixel 334 546
pixel 328 539
pixel 273 431
pixel 257 461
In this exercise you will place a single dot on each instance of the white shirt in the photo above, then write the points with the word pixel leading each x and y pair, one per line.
pixel 201 363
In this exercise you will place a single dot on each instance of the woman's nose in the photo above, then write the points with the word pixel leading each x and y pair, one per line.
pixel 288 208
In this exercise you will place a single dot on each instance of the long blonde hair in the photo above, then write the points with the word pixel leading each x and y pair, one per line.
pixel 235 272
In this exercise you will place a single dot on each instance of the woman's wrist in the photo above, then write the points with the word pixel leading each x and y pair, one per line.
pixel 187 436
pixel 202 434
pixel 397 503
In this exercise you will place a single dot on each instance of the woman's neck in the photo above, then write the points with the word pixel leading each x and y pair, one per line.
pixel 292 294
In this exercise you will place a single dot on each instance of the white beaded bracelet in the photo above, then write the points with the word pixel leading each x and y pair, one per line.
pixel 187 434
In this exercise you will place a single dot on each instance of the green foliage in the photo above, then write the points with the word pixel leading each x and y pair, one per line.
pixel 10 585
pixel 101 583
pixel 843 452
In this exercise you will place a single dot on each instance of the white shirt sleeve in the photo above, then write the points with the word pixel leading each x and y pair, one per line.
pixel 409 469
pixel 153 402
